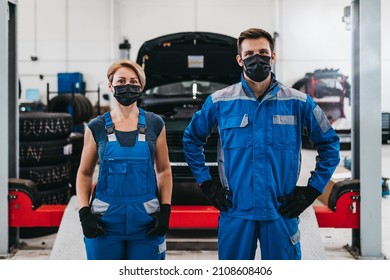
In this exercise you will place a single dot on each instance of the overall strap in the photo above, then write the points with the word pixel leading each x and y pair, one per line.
pixel 109 125
pixel 141 125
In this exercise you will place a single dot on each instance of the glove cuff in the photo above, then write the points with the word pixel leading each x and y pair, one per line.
pixel 206 184
pixel 312 192
pixel 84 211
pixel 165 208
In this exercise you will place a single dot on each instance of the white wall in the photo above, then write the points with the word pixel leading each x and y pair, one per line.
pixel 83 35
pixel 66 36
pixel 385 55
pixel 312 36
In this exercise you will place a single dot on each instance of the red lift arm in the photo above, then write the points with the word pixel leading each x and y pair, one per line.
pixel 343 210
pixel 194 217
pixel 25 208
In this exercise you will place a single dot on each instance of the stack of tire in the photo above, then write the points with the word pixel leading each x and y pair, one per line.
pixel 77 141
pixel 81 110
pixel 44 156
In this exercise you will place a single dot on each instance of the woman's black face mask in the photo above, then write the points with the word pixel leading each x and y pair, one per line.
pixel 127 94
pixel 257 67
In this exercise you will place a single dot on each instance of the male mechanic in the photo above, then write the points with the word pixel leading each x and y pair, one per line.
pixel 260 123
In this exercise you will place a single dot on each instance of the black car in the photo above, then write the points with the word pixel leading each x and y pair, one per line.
pixel 182 70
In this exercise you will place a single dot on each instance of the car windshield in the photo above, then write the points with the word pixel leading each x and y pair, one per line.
pixel 178 100
pixel 185 88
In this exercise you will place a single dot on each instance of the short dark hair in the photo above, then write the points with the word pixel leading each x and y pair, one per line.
pixel 254 33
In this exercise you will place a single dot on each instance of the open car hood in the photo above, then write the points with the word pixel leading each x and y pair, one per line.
pixel 189 56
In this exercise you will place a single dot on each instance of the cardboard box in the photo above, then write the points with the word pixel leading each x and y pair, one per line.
pixel 341 173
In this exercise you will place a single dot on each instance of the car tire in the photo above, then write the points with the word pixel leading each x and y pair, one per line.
pixel 81 110
pixel 40 126
pixel 33 153
pixel 47 177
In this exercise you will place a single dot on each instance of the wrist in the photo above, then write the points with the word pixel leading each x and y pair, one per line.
pixel 165 208
pixel 313 189
pixel 84 211
pixel 206 184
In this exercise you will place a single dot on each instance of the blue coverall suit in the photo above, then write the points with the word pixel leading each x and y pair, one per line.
pixel 125 196
pixel 259 161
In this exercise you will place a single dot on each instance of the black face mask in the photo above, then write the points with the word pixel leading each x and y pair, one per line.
pixel 127 94
pixel 257 67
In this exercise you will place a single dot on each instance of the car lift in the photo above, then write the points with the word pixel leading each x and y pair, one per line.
pixel 342 211
pixel 26 209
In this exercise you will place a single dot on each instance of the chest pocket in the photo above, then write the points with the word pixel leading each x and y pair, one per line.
pixel 285 131
pixel 234 131
pixel 128 178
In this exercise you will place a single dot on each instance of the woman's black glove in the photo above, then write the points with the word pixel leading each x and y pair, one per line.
pixel 161 221
pixel 90 223
pixel 295 203
pixel 216 194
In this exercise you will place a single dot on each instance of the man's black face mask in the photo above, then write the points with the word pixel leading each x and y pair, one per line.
pixel 127 94
pixel 257 67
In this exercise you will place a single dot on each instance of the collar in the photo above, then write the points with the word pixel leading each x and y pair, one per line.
pixel 270 90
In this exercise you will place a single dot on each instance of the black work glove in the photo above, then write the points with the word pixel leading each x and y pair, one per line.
pixel 161 221
pixel 89 223
pixel 216 194
pixel 295 203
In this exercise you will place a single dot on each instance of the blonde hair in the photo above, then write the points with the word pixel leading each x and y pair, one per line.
pixel 129 64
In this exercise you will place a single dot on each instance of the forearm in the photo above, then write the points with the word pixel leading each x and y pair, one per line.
pixel 83 189
pixel 327 161
pixel 327 144
pixel 194 140
pixel 164 182
pixel 86 169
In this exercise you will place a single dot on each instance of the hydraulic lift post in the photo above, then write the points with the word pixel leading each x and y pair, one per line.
pixel 366 124
pixel 9 148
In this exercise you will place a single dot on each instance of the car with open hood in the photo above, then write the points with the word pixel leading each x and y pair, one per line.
pixel 182 70
pixel 331 90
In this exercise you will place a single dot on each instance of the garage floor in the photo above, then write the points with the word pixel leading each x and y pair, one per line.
pixel 191 245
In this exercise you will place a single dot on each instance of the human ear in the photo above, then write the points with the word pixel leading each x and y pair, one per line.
pixel 239 60
pixel 273 57
pixel 111 87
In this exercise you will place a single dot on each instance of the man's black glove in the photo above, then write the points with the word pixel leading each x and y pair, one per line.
pixel 161 221
pixel 89 223
pixel 295 203
pixel 216 194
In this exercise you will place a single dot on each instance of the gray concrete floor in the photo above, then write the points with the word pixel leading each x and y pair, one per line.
pixel 335 240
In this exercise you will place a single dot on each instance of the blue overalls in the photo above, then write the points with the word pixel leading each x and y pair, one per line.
pixel 125 196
